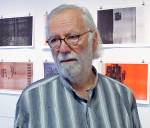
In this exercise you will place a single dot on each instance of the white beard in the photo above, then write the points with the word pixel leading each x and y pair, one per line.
pixel 71 71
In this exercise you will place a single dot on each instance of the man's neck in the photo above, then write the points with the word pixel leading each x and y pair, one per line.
pixel 82 88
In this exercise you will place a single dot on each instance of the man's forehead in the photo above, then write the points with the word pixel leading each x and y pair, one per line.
pixel 69 10
pixel 71 13
pixel 68 19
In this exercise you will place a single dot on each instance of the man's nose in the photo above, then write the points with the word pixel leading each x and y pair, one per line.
pixel 64 47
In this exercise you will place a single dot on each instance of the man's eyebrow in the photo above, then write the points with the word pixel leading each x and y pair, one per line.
pixel 71 33
pixel 53 35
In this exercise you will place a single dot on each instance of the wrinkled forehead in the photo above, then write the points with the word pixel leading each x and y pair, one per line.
pixel 67 19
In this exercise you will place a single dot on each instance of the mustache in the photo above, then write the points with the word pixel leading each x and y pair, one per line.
pixel 67 57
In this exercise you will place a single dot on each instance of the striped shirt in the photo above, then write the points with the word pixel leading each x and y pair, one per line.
pixel 52 103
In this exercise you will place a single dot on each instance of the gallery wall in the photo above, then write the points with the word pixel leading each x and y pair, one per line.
pixel 38 54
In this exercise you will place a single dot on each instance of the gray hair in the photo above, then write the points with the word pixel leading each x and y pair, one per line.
pixel 87 19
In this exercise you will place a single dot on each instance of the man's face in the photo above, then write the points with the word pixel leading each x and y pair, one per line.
pixel 74 63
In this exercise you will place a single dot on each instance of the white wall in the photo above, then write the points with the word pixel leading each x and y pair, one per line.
pixel 37 8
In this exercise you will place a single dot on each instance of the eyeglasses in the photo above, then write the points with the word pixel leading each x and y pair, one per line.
pixel 70 40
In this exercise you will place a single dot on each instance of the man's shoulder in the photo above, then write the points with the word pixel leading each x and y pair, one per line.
pixel 115 86
pixel 36 87
pixel 45 81
pixel 112 81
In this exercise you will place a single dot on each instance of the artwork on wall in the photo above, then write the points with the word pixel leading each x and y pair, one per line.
pixel 117 25
pixel 121 27
pixel 50 69
pixel 15 76
pixel 16 32
pixel 135 76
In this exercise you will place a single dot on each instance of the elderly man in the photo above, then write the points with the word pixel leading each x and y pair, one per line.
pixel 78 97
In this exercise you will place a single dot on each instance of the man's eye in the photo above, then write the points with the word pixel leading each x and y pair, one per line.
pixel 54 40
pixel 73 37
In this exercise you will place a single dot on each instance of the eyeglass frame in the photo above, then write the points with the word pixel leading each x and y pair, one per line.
pixel 66 42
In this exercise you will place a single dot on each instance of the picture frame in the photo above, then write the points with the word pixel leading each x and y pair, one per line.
pixel 15 76
pixel 133 75
pixel 122 27
pixel 50 69
pixel 17 32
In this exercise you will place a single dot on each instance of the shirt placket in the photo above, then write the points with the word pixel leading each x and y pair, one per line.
pixel 86 107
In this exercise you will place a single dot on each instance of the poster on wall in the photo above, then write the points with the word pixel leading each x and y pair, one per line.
pixel 50 69
pixel 117 25
pixel 135 76
pixel 16 32
pixel 15 76
pixel 121 27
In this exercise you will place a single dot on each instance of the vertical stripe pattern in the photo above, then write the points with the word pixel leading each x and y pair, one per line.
pixel 48 103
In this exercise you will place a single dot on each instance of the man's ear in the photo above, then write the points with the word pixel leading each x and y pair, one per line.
pixel 95 41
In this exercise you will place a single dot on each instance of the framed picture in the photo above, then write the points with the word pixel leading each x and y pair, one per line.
pixel 15 76
pixel 135 76
pixel 122 27
pixel 50 69
pixel 16 32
